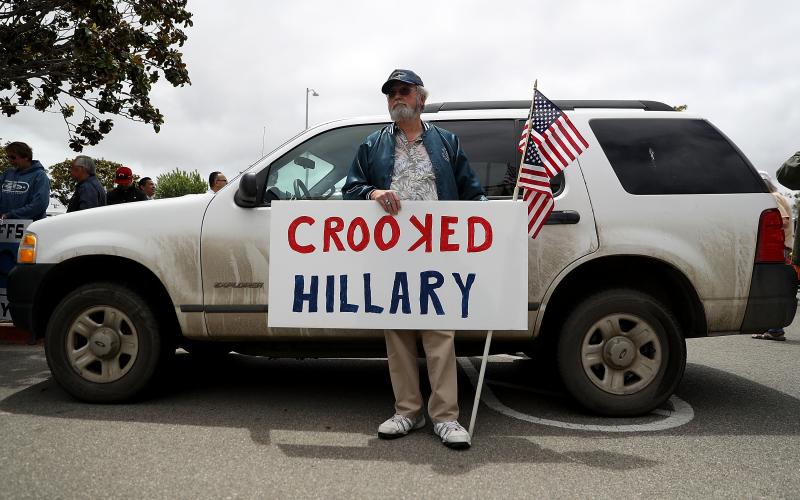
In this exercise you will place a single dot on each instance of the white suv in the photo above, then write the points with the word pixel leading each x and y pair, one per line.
pixel 662 231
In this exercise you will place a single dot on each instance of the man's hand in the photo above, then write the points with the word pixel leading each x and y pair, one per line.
pixel 387 199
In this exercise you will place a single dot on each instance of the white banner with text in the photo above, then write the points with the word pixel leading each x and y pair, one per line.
pixel 451 265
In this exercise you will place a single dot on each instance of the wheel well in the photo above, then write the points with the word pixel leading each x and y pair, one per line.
pixel 71 274
pixel 654 277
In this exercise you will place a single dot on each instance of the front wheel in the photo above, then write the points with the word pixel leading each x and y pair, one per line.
pixel 621 353
pixel 102 343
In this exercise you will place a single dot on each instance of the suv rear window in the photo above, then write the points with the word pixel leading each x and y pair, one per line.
pixel 674 156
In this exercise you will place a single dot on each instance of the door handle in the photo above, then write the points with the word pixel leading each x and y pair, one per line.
pixel 563 217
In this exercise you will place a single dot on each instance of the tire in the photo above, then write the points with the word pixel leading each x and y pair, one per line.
pixel 103 343
pixel 542 352
pixel 621 353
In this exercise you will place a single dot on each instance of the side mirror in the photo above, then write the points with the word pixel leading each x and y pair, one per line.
pixel 248 191
pixel 306 163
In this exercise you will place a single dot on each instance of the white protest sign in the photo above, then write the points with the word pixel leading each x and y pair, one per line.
pixel 454 265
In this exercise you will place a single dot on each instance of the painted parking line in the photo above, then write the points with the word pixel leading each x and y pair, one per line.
pixel 682 414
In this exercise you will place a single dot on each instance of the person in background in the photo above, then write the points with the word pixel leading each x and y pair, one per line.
pixel 25 188
pixel 789 176
pixel 217 181
pixel 415 160
pixel 785 208
pixel 125 192
pixel 89 193
pixel 789 173
pixel 148 187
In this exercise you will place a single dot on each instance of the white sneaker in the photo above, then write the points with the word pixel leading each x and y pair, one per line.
pixel 453 435
pixel 399 426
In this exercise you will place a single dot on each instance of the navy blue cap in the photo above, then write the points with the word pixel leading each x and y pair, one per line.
pixel 401 75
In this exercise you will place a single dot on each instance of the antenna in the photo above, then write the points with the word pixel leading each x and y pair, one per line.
pixel 263 135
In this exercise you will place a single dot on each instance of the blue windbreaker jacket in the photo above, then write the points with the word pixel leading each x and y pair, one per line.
pixel 374 163
pixel 25 194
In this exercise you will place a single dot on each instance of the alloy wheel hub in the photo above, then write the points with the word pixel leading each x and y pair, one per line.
pixel 104 343
pixel 619 352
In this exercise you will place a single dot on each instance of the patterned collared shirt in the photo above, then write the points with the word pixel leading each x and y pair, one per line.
pixel 413 177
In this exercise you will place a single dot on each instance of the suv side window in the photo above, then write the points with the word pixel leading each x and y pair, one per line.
pixel 320 165
pixel 490 147
pixel 673 156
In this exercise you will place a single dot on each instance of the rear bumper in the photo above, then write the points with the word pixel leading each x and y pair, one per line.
pixel 24 284
pixel 772 302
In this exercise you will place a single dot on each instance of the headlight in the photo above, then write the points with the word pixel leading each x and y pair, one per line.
pixel 27 249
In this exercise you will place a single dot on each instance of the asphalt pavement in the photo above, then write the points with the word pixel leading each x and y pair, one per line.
pixel 248 427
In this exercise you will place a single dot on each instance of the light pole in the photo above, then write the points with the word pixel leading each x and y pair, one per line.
pixel 313 93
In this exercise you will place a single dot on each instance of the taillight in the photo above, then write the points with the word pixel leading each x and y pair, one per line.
pixel 770 237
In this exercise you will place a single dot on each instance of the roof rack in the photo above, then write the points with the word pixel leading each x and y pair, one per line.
pixel 563 104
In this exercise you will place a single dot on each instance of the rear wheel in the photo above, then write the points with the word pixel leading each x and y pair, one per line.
pixel 542 351
pixel 103 344
pixel 621 353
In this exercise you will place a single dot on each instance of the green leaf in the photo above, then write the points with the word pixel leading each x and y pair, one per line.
pixel 82 49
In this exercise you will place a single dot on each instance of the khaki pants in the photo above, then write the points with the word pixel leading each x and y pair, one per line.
pixel 401 351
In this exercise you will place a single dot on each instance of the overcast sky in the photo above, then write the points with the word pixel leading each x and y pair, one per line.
pixel 732 62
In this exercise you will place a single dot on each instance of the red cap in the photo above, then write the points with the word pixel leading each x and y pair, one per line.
pixel 124 176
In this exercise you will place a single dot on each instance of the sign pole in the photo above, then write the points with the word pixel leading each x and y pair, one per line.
pixel 480 382
pixel 488 342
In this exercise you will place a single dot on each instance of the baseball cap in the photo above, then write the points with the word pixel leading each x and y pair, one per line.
pixel 124 176
pixel 401 75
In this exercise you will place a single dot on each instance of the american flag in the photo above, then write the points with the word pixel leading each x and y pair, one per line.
pixel 548 147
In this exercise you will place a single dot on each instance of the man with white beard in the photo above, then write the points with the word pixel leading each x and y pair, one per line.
pixel 415 160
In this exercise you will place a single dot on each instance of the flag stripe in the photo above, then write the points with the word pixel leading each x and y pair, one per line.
pixel 575 132
pixel 544 181
pixel 546 160
pixel 538 174
pixel 540 221
pixel 566 141
pixel 564 148
pixel 568 136
pixel 540 205
pixel 549 143
pixel 553 163
pixel 535 178
pixel 534 170
pixel 535 184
